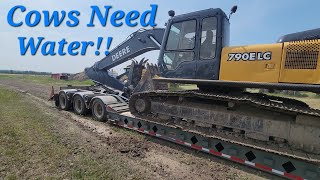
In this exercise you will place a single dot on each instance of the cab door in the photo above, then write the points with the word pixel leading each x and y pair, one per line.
pixel 208 61
pixel 179 53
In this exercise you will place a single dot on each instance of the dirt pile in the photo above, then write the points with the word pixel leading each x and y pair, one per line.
pixel 79 76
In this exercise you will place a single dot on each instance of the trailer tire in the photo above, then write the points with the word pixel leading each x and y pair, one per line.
pixel 79 105
pixel 64 103
pixel 99 112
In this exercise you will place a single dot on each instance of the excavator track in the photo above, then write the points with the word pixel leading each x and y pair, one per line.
pixel 281 104
pixel 290 126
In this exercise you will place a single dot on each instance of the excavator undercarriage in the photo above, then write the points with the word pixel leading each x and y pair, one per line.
pixel 259 117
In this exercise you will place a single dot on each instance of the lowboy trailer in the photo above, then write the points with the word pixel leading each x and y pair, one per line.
pixel 115 109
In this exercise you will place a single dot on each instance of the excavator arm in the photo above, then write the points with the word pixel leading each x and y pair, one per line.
pixel 136 44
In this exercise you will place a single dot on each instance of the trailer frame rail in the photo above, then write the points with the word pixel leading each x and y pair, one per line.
pixel 283 166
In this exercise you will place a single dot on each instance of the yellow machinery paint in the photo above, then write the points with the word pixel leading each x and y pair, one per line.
pixel 301 62
pixel 255 70
pixel 292 62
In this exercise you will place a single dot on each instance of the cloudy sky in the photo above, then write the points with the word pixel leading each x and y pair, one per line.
pixel 256 22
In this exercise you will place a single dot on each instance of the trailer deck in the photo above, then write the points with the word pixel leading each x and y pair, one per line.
pixel 287 166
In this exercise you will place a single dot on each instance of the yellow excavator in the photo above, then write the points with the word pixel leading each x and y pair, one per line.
pixel 194 49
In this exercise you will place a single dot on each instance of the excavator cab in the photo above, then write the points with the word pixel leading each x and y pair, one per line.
pixel 192 45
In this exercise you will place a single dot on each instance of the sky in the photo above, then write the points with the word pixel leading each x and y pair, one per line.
pixel 255 22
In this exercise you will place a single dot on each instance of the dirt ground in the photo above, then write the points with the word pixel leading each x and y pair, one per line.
pixel 118 153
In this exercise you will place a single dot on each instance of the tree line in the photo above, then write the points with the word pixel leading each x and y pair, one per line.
pixel 24 72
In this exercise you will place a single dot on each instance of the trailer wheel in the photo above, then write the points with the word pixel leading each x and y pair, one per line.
pixel 79 105
pixel 64 104
pixel 99 111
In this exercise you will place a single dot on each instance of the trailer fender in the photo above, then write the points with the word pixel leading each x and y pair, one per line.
pixel 84 96
pixel 69 93
pixel 108 99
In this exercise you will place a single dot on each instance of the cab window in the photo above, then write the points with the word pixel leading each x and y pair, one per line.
pixel 182 35
pixel 173 59
pixel 180 44
pixel 208 38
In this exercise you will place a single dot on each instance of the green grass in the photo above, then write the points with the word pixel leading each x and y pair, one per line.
pixel 312 99
pixel 181 87
pixel 302 94
pixel 44 79
pixel 30 148
pixel 24 137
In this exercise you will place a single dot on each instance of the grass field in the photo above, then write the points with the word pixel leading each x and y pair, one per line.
pixel 30 149
pixel 26 141
pixel 181 87
pixel 312 99
pixel 44 79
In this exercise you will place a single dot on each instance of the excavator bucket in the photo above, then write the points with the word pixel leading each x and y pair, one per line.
pixel 135 72
pixel 104 77
pixel 146 83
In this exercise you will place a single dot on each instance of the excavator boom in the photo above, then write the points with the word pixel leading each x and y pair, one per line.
pixel 137 43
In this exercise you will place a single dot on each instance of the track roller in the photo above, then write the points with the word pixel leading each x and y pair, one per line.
pixel 140 105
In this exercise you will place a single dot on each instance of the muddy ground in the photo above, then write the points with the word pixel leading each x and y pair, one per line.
pixel 123 154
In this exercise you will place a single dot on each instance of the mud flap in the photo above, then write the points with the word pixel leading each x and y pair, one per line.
pixel 53 97
pixel 51 94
